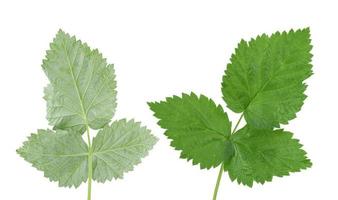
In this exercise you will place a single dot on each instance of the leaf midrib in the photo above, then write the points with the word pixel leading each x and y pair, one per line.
pixel 263 87
pixel 84 117
pixel 206 124
pixel 70 65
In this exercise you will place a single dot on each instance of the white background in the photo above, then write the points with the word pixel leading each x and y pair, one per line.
pixel 162 48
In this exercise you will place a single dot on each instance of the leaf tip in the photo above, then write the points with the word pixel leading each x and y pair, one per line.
pixel 19 151
pixel 60 31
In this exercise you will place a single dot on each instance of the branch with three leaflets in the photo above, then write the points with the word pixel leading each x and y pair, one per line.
pixel 263 82
pixel 82 95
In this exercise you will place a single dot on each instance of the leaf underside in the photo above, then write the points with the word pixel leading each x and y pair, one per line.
pixel 61 155
pixel 82 95
pixel 118 148
pixel 82 85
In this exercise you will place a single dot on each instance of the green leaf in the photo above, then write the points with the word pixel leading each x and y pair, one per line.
pixel 262 154
pixel 265 77
pixel 197 127
pixel 118 148
pixel 82 89
pixel 61 155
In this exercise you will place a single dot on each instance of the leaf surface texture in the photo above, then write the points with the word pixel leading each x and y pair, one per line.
pixel 119 147
pixel 265 77
pixel 197 126
pixel 82 89
pixel 61 155
pixel 262 154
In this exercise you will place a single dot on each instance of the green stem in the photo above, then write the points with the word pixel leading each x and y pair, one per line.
pixel 90 165
pixel 235 129
pixel 222 166
pixel 218 182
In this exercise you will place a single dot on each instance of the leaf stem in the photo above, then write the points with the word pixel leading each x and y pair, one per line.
pixel 90 165
pixel 239 120
pixel 222 166
pixel 218 182
pixel 88 137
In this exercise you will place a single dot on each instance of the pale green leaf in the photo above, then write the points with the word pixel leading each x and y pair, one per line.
pixel 82 89
pixel 118 148
pixel 61 155
pixel 265 78
pixel 197 126
pixel 262 154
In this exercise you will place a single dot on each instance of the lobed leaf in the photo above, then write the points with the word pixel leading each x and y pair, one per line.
pixel 82 85
pixel 81 95
pixel 265 77
pixel 118 148
pixel 197 127
pixel 262 154
pixel 61 155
